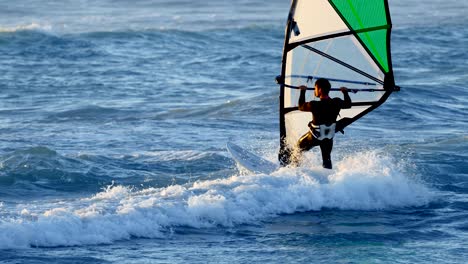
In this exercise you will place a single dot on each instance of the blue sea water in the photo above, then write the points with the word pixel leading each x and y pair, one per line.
pixel 114 117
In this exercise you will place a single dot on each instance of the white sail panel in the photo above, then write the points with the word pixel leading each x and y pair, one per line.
pixel 296 125
pixel 316 18
pixel 302 62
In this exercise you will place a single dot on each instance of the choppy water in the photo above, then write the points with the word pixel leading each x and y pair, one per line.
pixel 114 118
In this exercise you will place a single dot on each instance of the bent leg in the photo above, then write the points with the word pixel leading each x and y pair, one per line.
pixel 306 142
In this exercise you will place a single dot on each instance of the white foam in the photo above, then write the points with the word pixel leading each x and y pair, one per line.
pixel 367 181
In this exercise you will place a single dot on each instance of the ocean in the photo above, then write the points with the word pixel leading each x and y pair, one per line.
pixel 114 119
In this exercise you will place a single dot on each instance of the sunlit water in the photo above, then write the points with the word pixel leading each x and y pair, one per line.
pixel 114 118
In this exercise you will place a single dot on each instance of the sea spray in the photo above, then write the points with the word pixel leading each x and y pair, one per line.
pixel 119 213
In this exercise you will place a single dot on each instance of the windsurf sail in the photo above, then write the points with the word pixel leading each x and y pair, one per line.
pixel 344 41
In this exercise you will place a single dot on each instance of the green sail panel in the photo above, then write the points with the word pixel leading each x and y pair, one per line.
pixel 362 15
pixel 376 42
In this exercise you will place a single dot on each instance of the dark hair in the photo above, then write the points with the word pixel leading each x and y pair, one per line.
pixel 324 84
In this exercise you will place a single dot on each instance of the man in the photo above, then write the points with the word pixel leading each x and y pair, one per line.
pixel 323 124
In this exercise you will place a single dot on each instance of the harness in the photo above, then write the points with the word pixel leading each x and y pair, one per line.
pixel 321 132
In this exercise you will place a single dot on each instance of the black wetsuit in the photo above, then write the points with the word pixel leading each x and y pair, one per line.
pixel 324 112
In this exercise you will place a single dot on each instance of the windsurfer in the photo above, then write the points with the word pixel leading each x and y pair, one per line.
pixel 323 125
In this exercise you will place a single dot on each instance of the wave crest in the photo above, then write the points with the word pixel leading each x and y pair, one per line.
pixel 121 213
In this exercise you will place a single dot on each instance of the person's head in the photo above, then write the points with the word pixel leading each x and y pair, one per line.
pixel 322 87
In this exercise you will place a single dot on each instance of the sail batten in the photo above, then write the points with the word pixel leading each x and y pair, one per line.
pixel 331 35
pixel 328 56
pixel 310 78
